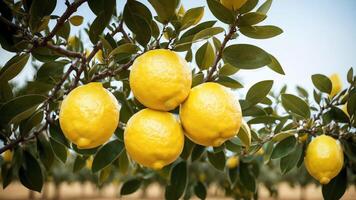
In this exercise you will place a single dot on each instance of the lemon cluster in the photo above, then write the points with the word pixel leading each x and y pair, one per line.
pixel 161 80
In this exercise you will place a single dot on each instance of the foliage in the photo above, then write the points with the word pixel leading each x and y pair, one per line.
pixel 279 119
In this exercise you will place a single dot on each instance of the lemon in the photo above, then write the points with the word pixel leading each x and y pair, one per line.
pixel 211 114
pixel 336 84
pixel 160 79
pixel 153 138
pixel 303 137
pixel 232 162
pixel 233 4
pixel 324 158
pixel 89 115
pixel 7 156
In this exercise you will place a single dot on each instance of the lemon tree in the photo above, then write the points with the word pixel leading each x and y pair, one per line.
pixel 148 93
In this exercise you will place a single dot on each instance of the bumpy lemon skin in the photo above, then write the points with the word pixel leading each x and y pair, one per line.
pixel 336 84
pixel 211 114
pixel 89 115
pixel 233 4
pixel 160 79
pixel 324 158
pixel 153 138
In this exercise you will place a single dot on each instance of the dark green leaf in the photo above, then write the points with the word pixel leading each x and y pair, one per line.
pixel 259 91
pixel 165 9
pixel 261 32
pixel 197 79
pixel 336 188
pixel 178 181
pixel 19 108
pixel 57 134
pixel 51 72
pixel 191 17
pixel 124 163
pixel 275 65
pixel 351 105
pixel 32 122
pixel 322 83
pixel 248 6
pixel 252 18
pixel 13 67
pixel 130 186
pixel 64 31
pixel 284 147
pixel 290 161
pixel 229 82
pixel 338 115
pixel 207 33
pixel 246 177
pixel 200 190
pixel 228 70
pixel 59 150
pixel 99 25
pixel 97 6
pixel 205 56
pixel 295 105
pixel 38 10
pixel 217 160
pixel 45 152
pixel 5 92
pixel 127 48
pixel 245 56
pixel 198 28
pixel 220 12
pixel 197 152
pixel 107 154
pixel 79 163
pixel 30 173
pixel 350 75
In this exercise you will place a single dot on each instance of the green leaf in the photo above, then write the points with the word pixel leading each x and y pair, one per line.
pixel 336 188
pixel 338 115
pixel 229 82
pixel 124 163
pixel 261 32
pixel 30 173
pixel 5 92
pixel 45 152
pixel 205 56
pixel 51 72
pixel 79 163
pixel 197 152
pixel 197 79
pixel 13 67
pixel 350 75
pixel 248 6
pixel 275 65
pixel 196 29
pixel 207 33
pixel 221 12
pixel 76 20
pixel 322 83
pixel 228 70
pixel 191 17
pixel 19 108
pixel 295 105
pixel 107 154
pixel 264 8
pixel 127 49
pixel 137 17
pixel 178 181
pixel 32 122
pixel 165 9
pixel 290 161
pixel 351 105
pixel 99 25
pixel 252 18
pixel 97 6
pixel 59 150
pixel 130 186
pixel 200 190
pixel 259 91
pixel 38 10
pixel 64 31
pixel 284 147
pixel 57 134
pixel 246 177
pixel 245 56
pixel 217 159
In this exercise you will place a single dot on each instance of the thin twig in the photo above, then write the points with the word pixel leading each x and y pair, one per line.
pixel 63 51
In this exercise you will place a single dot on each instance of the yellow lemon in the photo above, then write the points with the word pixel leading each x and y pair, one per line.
pixel 336 84
pixel 89 115
pixel 153 138
pixel 211 114
pixel 160 79
pixel 7 156
pixel 232 162
pixel 324 158
pixel 233 4
pixel 303 137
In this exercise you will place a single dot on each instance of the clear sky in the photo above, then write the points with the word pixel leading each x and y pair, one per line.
pixel 319 37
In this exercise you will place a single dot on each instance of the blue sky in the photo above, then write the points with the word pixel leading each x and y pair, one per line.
pixel 319 37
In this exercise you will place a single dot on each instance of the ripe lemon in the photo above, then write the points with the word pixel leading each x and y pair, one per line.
pixel 211 114
pixel 160 79
pixel 336 84
pixel 233 4
pixel 324 158
pixel 89 115
pixel 153 138
pixel 7 156
pixel 232 162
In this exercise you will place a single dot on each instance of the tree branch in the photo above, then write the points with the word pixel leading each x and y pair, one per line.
pixel 69 11
pixel 64 51
pixel 220 52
